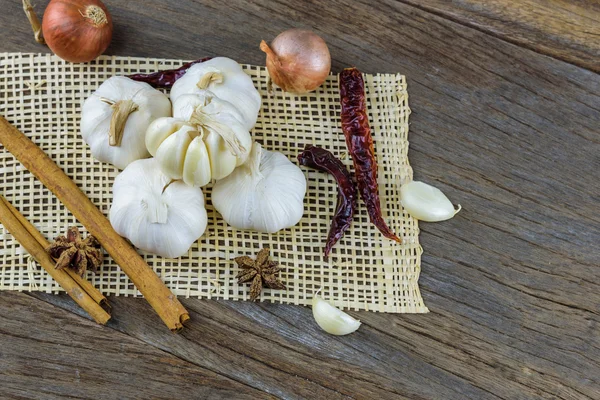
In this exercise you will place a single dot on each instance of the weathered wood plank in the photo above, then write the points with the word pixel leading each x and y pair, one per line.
pixel 281 350
pixel 49 353
pixel 567 30
pixel 512 281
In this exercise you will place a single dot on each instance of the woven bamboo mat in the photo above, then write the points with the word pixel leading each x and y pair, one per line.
pixel 42 96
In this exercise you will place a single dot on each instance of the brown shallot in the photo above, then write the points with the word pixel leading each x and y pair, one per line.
pixel 298 60
pixel 77 30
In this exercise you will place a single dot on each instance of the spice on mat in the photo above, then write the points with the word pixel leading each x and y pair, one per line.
pixel 355 125
pixel 76 253
pixel 162 300
pixel 262 272
pixel 323 160
pixel 165 79
pixel 80 290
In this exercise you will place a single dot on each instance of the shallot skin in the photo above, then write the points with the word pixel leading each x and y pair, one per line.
pixel 298 60
pixel 77 30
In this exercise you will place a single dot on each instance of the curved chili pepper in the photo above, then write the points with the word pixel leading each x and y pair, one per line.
pixel 165 79
pixel 355 124
pixel 322 160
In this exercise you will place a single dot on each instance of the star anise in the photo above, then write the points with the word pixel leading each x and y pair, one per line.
pixel 76 253
pixel 262 272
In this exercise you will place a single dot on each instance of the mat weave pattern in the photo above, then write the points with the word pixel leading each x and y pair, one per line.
pixel 42 96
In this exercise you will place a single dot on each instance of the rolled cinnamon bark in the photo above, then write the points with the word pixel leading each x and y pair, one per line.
pixel 12 224
pixel 143 277
pixel 83 283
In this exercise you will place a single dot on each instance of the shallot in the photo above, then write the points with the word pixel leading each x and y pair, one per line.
pixel 298 60
pixel 77 30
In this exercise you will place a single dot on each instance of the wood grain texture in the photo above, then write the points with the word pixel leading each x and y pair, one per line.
pixel 48 353
pixel 567 30
pixel 511 281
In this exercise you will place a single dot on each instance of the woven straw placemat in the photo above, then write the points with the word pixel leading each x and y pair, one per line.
pixel 42 96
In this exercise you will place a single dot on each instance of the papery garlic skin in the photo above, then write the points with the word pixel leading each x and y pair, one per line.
pixel 226 79
pixel 219 117
pixel 156 218
pixel 265 194
pixel 97 112
pixel 331 319
pixel 425 202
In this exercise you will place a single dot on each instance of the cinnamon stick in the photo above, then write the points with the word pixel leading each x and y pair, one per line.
pixel 83 283
pixel 42 167
pixel 38 252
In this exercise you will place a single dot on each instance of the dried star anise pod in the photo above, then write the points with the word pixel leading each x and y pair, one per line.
pixel 76 253
pixel 262 272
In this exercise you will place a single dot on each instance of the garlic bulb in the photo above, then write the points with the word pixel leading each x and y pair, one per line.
pixel 206 141
pixel 331 319
pixel 265 194
pixel 115 117
pixel 426 203
pixel 226 79
pixel 220 117
pixel 157 215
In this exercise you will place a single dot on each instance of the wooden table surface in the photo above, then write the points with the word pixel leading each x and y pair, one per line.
pixel 506 110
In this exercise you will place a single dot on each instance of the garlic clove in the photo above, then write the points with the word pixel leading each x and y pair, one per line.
pixel 426 203
pixel 222 161
pixel 171 152
pixel 159 130
pixel 331 319
pixel 196 167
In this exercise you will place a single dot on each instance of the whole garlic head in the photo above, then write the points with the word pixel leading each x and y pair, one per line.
pixel 226 79
pixel 265 194
pixel 115 117
pixel 199 150
pixel 157 215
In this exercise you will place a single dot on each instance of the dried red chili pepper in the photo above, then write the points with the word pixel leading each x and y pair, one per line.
pixel 355 124
pixel 165 79
pixel 322 160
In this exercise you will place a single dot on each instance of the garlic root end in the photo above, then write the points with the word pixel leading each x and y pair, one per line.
pixel 209 78
pixel 121 111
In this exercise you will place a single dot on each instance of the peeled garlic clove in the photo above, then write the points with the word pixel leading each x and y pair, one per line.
pixel 425 202
pixel 171 152
pixel 331 319
pixel 196 167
